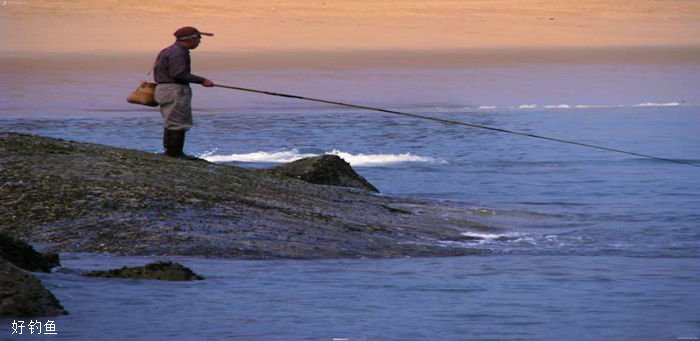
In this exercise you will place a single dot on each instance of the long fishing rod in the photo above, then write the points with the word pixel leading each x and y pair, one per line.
pixel 447 121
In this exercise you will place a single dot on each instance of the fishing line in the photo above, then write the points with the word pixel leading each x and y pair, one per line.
pixel 448 121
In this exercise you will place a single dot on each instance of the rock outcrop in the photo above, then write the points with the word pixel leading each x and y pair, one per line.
pixel 24 256
pixel 23 295
pixel 164 271
pixel 83 197
pixel 325 170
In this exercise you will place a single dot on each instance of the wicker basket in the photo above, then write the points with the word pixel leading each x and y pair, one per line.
pixel 144 94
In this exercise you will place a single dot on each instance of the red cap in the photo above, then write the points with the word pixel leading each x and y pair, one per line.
pixel 188 32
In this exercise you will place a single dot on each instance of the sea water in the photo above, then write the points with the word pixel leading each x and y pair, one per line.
pixel 592 245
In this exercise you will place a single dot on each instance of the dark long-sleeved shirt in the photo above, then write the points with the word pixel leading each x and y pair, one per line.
pixel 173 66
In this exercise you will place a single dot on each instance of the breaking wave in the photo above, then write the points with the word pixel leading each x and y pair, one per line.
pixel 579 106
pixel 362 160
pixel 650 104
pixel 512 241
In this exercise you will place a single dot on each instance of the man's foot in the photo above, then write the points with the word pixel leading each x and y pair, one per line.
pixel 189 157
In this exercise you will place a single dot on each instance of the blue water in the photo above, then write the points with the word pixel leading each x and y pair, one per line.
pixel 469 298
pixel 591 245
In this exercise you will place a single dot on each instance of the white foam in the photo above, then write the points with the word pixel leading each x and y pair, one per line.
pixel 260 156
pixel 513 238
pixel 362 160
pixel 651 104
pixel 558 106
pixel 583 106
pixel 528 106
pixel 492 236
pixel 369 160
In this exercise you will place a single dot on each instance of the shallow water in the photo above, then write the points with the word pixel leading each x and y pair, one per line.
pixel 466 298
pixel 591 245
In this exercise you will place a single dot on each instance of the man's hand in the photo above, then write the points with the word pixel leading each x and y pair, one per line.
pixel 207 83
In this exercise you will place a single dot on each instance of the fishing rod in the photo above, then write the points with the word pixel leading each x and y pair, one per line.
pixel 448 121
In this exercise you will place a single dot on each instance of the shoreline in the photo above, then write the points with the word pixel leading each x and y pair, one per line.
pixel 83 197
pixel 350 59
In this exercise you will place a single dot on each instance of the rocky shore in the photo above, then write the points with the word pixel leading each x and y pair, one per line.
pixel 22 294
pixel 163 271
pixel 80 197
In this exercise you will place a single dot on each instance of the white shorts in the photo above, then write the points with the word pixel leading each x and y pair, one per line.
pixel 175 105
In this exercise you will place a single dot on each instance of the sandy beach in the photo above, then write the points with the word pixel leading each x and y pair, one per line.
pixel 109 27
pixel 56 47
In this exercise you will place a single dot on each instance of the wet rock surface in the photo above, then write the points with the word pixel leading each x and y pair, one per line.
pixel 82 197
pixel 25 256
pixel 325 170
pixel 165 271
pixel 22 294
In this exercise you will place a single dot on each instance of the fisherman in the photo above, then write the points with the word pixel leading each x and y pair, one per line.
pixel 173 75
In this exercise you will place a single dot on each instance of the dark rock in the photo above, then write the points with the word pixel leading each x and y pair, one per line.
pixel 325 170
pixel 24 255
pixel 22 294
pixel 165 271
pixel 82 197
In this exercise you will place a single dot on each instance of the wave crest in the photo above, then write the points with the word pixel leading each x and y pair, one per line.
pixel 578 106
pixel 361 159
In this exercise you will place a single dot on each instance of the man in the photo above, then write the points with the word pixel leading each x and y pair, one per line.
pixel 173 93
